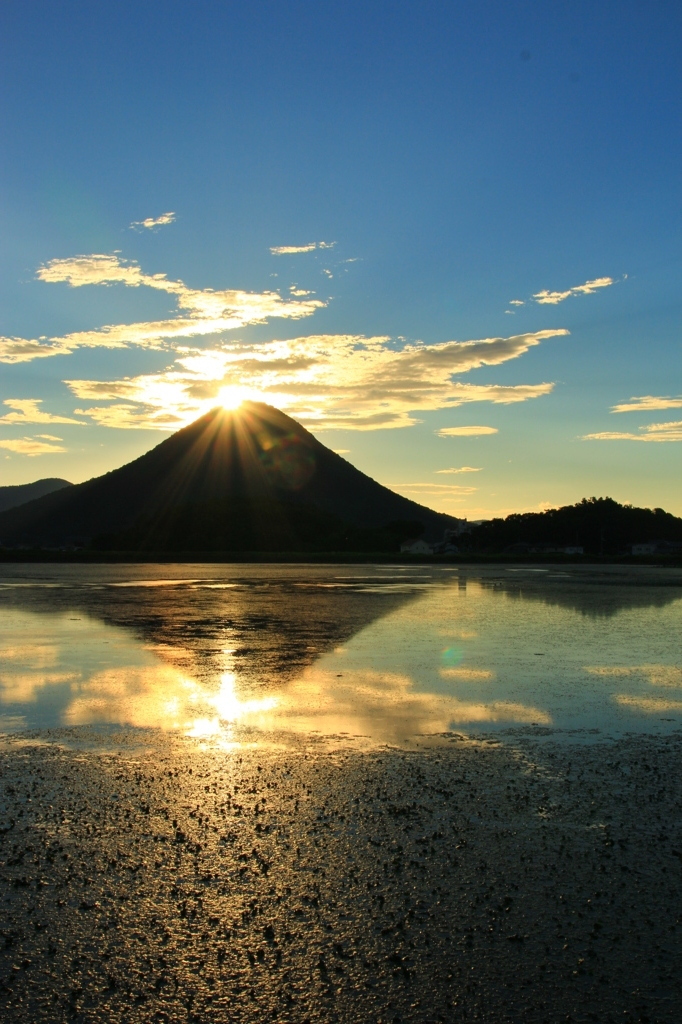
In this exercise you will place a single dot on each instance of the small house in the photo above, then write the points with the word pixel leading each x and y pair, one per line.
pixel 416 547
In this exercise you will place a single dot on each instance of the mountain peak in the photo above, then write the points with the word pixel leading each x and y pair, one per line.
pixel 234 479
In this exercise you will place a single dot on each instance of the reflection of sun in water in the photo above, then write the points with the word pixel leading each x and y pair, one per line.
pixel 230 709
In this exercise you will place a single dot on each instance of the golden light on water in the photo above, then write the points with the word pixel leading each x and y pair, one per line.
pixel 230 709
pixel 387 682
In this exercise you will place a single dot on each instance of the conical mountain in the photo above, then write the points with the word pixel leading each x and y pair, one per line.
pixel 252 479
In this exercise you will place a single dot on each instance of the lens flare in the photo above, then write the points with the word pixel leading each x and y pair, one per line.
pixel 451 656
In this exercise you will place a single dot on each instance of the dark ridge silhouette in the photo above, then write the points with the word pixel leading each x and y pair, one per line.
pixel 601 526
pixel 19 494
pixel 251 479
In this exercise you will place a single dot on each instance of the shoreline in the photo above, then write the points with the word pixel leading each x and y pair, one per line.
pixel 39 556
pixel 505 881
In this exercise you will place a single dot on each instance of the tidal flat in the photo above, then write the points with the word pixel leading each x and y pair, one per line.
pixel 323 795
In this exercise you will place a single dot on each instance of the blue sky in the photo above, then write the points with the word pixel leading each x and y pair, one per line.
pixel 443 159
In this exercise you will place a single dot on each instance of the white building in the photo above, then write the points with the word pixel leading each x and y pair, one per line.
pixel 416 547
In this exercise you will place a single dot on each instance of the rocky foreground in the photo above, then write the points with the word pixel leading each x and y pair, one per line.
pixel 524 881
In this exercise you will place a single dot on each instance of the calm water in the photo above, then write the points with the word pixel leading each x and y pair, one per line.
pixel 384 654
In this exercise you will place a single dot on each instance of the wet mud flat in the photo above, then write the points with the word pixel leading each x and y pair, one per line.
pixel 525 880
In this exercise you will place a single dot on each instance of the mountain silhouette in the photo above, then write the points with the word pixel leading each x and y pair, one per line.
pixel 252 479
pixel 601 526
pixel 19 494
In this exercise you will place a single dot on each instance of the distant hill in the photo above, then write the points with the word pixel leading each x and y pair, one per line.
pixel 601 526
pixel 10 497
pixel 249 480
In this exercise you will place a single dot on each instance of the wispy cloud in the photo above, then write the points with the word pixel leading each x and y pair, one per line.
pixel 31 446
pixel 671 431
pixel 25 410
pixel 461 469
pixel 500 394
pixel 516 302
pixel 547 298
pixel 325 381
pixel 469 431
pixel 205 311
pixel 123 416
pixel 154 222
pixel 648 403
pixel 292 250
pixel 439 490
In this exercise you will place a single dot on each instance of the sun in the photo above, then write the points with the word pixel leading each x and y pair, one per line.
pixel 231 397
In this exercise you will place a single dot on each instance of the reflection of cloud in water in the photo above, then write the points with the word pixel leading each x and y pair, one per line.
pixel 11 723
pixel 657 675
pixel 470 675
pixel 35 655
pixel 159 696
pixel 381 705
pixel 156 583
pixel 649 705
pixel 241 654
pixel 25 687
pixel 144 696
pixel 25 678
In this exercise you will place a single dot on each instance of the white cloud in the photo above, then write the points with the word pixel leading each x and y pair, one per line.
pixel 292 250
pixel 671 431
pixel 461 469
pixel 325 381
pixel 30 446
pixel 465 431
pixel 25 410
pixel 545 298
pixel 154 222
pixel 49 437
pixel 206 311
pixel 648 403
pixel 517 302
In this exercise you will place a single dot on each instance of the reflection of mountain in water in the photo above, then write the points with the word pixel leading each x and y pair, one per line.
pixel 596 599
pixel 267 631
